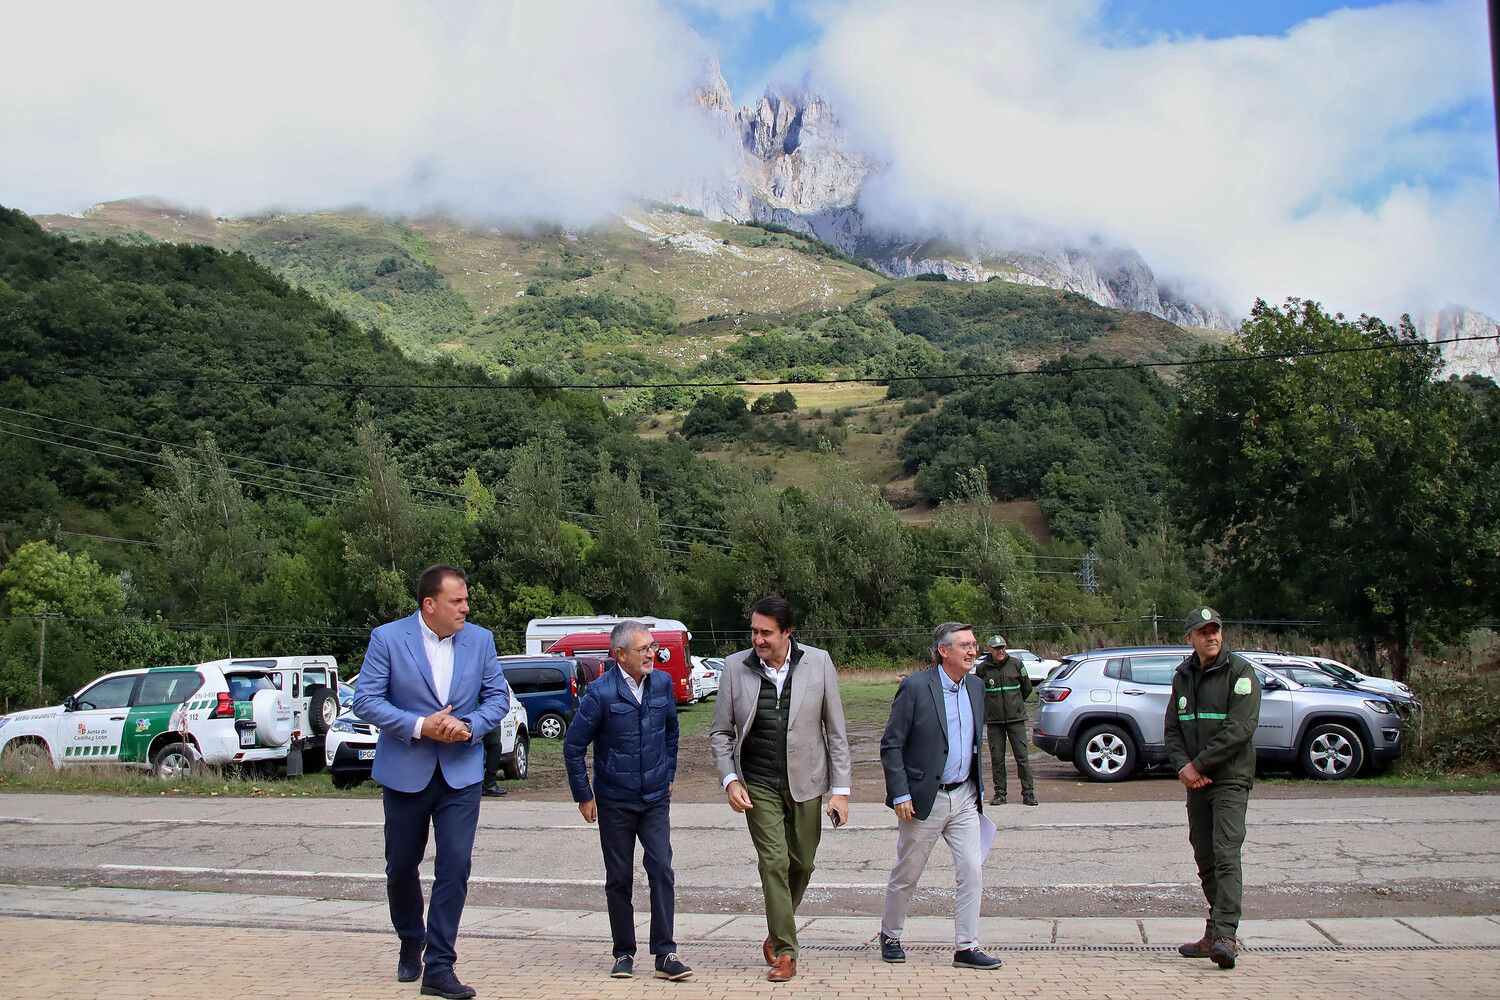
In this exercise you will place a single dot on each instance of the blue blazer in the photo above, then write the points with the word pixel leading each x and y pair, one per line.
pixel 635 744
pixel 395 687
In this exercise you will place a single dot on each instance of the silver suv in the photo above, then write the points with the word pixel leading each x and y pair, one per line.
pixel 1104 710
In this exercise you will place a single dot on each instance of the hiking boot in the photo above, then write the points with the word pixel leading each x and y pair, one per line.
pixel 1223 952
pixel 1197 949
pixel 891 950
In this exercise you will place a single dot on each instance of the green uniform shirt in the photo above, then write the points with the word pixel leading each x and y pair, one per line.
pixel 1006 688
pixel 1211 719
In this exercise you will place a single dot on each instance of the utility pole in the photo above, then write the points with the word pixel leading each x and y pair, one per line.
pixel 1086 572
pixel 41 658
pixel 1155 636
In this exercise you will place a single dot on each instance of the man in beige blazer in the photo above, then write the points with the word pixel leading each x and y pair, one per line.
pixel 778 738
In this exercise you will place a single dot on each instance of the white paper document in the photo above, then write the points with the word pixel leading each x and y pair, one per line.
pixel 987 831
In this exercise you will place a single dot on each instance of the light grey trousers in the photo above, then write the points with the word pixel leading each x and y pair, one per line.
pixel 955 818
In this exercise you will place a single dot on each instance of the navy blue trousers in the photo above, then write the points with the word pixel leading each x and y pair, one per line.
pixel 453 814
pixel 620 826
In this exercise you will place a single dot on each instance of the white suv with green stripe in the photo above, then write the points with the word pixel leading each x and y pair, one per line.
pixel 166 719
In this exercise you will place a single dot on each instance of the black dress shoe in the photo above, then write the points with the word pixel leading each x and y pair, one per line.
pixel 445 984
pixel 672 968
pixel 624 967
pixel 492 790
pixel 409 965
pixel 973 958
pixel 891 950
pixel 1028 799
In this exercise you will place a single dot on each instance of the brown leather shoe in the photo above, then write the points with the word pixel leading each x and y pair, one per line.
pixel 770 955
pixel 784 969
pixel 1223 952
pixel 1196 949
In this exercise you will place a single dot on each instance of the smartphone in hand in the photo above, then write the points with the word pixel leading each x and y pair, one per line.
pixel 833 815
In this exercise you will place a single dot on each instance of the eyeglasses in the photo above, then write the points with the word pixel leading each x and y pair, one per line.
pixel 643 650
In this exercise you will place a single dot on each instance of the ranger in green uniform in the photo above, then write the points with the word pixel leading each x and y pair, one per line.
pixel 1006 688
pixel 1210 725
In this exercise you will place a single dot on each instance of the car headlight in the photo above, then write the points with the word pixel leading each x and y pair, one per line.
pixel 1383 707
pixel 342 726
pixel 1402 688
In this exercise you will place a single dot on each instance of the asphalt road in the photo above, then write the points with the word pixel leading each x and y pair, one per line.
pixel 1344 856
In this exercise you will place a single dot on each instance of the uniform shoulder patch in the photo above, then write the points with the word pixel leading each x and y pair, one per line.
pixel 1182 701
pixel 1242 686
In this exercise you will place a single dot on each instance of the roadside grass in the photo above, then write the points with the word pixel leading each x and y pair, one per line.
pixel 1398 777
pixel 204 783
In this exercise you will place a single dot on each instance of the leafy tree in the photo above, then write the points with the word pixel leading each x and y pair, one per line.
pixel 1349 479
pixel 777 402
pixel 41 579
pixel 212 548
pixel 627 565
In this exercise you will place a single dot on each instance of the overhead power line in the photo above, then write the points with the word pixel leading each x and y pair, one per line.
pixel 192 378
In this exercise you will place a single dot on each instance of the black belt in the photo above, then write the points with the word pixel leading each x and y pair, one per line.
pixel 952 785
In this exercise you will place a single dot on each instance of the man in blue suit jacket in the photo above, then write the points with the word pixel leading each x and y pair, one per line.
pixel 434 687
pixel 630 718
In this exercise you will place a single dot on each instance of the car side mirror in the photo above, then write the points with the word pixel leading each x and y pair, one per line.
pixel 1271 684
pixel 663 655
pixel 70 704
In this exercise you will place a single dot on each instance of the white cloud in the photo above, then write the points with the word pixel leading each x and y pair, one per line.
pixel 1232 162
pixel 558 111
pixel 1306 164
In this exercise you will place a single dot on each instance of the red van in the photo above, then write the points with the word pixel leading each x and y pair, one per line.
pixel 671 658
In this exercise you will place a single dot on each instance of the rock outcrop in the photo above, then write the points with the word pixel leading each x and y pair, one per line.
pixel 797 167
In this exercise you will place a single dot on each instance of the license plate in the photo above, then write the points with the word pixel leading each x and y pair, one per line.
pixel 247 737
pixel 367 755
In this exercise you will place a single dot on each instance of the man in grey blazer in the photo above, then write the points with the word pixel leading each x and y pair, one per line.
pixel 934 782
pixel 778 739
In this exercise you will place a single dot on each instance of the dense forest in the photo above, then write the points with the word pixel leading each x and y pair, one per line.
pixel 199 458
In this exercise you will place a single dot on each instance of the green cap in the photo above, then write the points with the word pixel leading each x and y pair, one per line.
pixel 997 642
pixel 1199 617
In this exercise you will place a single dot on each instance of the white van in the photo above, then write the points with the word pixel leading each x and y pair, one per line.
pixel 542 632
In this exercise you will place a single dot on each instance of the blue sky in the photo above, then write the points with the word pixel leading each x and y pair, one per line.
pixel 753 37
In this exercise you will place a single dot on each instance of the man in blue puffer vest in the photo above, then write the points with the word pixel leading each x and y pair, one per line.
pixel 630 718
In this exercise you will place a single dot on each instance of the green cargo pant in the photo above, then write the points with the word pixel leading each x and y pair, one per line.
pixel 1015 732
pixel 1216 829
pixel 785 834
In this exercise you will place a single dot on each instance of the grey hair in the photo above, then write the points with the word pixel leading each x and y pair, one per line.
pixel 943 636
pixel 621 633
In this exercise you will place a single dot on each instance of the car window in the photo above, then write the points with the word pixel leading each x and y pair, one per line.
pixel 168 688
pixel 1115 668
pixel 534 680
pixel 316 675
pixel 112 692
pixel 1154 669
pixel 1311 677
pixel 1339 671
pixel 242 687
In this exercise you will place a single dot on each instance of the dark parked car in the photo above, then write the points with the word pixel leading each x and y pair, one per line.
pixel 549 687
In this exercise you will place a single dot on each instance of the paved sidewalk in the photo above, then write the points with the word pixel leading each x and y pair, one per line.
pixel 98 942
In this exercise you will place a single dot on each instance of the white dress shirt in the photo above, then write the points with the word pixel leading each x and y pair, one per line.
pixel 440 659
pixel 636 688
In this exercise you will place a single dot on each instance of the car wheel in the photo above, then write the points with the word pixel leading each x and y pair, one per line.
pixel 173 761
pixel 1105 753
pixel 27 757
pixel 343 780
pixel 322 707
pixel 520 761
pixel 552 726
pixel 1332 752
